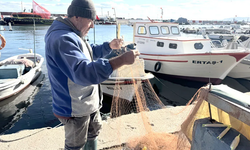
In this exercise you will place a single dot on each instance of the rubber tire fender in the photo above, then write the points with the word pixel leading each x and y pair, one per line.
pixel 157 66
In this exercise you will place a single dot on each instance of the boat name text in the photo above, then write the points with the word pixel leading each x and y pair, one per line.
pixel 204 62
pixel 140 42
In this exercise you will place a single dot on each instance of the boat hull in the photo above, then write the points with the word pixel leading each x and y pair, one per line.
pixel 124 91
pixel 123 88
pixel 25 21
pixel 198 67
pixel 241 70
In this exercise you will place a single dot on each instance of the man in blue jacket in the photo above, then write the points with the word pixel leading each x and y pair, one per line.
pixel 75 70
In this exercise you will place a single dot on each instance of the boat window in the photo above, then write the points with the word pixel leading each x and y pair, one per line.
pixel 172 45
pixel 142 30
pixel 175 30
pixel 164 30
pixel 154 30
pixel 160 44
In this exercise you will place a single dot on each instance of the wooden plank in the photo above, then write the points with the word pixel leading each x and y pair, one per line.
pixel 239 112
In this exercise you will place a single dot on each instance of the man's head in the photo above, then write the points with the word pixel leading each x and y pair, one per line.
pixel 82 14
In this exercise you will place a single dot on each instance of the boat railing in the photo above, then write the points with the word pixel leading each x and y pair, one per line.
pixel 234 44
pixel 239 41
pixel 212 44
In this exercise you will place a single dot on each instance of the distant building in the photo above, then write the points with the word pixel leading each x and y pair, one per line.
pixel 172 20
pixel 182 21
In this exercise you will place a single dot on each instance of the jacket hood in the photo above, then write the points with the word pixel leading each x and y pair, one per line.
pixel 62 24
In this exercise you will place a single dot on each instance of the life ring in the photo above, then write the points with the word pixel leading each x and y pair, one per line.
pixel 221 37
pixel 3 42
pixel 157 66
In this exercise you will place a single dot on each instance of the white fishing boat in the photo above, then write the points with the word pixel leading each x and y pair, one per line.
pixel 167 53
pixel 218 36
pixel 124 87
pixel 242 69
pixel 124 82
pixel 17 72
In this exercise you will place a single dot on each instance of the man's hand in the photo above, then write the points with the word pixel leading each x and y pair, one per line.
pixel 125 59
pixel 129 57
pixel 116 43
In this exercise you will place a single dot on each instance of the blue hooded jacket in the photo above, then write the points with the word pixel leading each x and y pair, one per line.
pixel 74 77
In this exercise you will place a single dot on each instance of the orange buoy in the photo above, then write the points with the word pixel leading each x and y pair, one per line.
pixel 3 42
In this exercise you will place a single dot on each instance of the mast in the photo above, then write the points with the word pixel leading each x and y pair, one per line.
pixel 116 24
pixel 34 34
pixel 21 6
pixel 161 13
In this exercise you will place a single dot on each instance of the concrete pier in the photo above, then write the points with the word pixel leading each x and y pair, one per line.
pixel 115 131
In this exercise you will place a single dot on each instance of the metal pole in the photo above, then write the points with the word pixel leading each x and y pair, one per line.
pixel 209 106
pixel 94 33
pixel 34 36
pixel 116 24
pixel 161 13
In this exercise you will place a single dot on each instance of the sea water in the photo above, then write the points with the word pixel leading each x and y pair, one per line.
pixel 35 109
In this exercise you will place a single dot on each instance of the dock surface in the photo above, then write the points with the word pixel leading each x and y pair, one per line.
pixel 115 131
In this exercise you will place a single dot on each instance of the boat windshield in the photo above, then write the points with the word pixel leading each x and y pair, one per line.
pixel 175 30
pixel 153 30
pixel 164 30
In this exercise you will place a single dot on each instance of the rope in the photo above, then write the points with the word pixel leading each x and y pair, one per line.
pixel 210 84
pixel 209 70
pixel 7 141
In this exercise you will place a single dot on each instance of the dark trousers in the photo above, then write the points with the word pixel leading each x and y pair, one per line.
pixel 80 129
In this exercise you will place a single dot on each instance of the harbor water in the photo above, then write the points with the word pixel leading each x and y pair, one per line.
pixel 32 108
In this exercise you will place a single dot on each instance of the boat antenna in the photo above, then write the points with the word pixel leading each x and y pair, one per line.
pixel 150 19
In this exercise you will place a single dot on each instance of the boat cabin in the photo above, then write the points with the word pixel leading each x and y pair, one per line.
pixel 12 71
pixel 15 68
pixel 165 38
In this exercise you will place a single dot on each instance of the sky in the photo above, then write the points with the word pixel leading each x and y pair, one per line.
pixel 172 9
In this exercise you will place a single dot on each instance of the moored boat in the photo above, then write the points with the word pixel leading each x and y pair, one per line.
pixel 242 70
pixel 167 53
pixel 17 72
pixel 123 87
pixel 39 14
pixel 218 36
pixel 124 82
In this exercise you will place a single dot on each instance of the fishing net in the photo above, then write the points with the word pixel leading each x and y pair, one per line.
pixel 144 100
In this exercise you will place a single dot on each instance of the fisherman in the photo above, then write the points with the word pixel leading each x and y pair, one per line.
pixel 75 70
